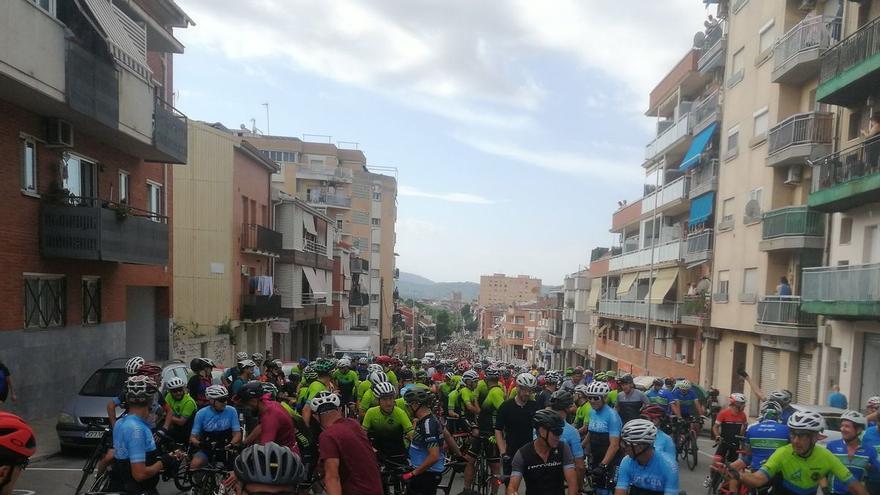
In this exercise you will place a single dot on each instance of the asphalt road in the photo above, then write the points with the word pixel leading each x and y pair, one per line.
pixel 59 474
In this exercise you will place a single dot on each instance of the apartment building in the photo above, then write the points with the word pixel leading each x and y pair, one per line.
pixel 500 290
pixel 514 337
pixel 225 249
pixel 362 203
pixel 576 337
pixel 766 230
pixel 845 289
pixel 549 335
pixel 90 137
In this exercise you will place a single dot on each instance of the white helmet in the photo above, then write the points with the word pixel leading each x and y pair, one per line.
pixel 600 389
pixel 781 396
pixel 855 417
pixel 364 360
pixel 582 389
pixel 374 368
pixel 344 363
pixel 683 385
pixel 526 380
pixel 770 409
pixel 215 392
pixel 240 356
pixel 133 365
pixel 736 398
pixel 246 363
pixel 806 420
pixel 384 389
pixel 639 431
pixel 378 377
pixel 322 398
pixel 174 383
pixel 469 375
pixel 873 401
pixel 257 356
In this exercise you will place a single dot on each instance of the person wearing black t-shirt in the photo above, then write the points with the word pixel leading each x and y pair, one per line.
pixel 513 421
pixel 546 464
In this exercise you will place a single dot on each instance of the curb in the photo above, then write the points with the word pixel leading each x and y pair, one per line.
pixel 44 455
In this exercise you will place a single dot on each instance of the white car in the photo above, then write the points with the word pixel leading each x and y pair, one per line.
pixel 430 356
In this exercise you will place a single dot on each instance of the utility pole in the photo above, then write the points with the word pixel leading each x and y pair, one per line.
pixel 267 117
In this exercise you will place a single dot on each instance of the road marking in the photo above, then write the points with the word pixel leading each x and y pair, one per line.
pixel 52 469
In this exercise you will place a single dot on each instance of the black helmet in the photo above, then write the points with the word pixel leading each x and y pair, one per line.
pixel 548 420
pixel 269 464
pixel 625 379
pixel 657 381
pixel 417 394
pixel 250 390
pixel 405 374
pixel 200 363
pixel 561 400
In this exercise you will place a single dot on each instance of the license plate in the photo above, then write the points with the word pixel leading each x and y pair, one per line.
pixel 94 434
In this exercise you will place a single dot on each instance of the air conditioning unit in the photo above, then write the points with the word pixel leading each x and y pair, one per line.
pixel 59 133
pixel 794 174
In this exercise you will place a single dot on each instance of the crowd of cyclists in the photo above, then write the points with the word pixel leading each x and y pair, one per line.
pixel 386 425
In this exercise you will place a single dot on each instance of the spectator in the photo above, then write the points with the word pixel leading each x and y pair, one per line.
pixel 7 390
pixel 704 286
pixel 783 289
pixel 872 150
pixel 837 399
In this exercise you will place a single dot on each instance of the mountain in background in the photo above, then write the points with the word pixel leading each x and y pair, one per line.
pixel 410 285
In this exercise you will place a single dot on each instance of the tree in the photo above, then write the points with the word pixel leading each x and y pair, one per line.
pixel 442 320
pixel 466 312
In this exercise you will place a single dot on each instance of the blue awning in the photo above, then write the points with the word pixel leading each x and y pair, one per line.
pixel 692 158
pixel 701 209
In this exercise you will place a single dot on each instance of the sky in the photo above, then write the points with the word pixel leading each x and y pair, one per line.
pixel 515 125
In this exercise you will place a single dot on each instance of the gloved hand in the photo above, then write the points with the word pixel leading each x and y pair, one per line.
pixel 407 476
pixel 505 459
pixel 169 463
pixel 600 471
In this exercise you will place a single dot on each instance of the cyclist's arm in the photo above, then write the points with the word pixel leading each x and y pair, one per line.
pixel 517 467
pixel 502 444
pixel 754 480
pixel 613 447
pixel 676 408
pixel 111 412
pixel 450 442
pixel 141 472
pixel 698 406
pixel 254 434
pixel 755 389
pixel 332 483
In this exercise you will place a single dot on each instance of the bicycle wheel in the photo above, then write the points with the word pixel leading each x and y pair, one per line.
pixel 89 467
pixel 182 478
pixel 693 451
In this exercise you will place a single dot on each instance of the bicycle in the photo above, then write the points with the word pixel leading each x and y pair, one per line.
pixel 97 454
pixel 210 477
pixel 391 471
pixel 686 442
pixel 181 477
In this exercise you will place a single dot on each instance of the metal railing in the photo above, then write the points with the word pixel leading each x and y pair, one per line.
pixel 699 246
pixel 260 239
pixel 673 133
pixel 312 298
pixel 711 44
pixel 312 246
pixel 322 198
pixel 843 166
pixel 170 130
pixel 667 312
pixel 706 109
pixel 793 221
pixel 360 265
pixel 854 283
pixel 704 178
pixel 784 311
pixel 851 51
pixel 698 306
pixel 663 253
pixel 801 128
pixel 668 193
pixel 812 33
pixel 325 172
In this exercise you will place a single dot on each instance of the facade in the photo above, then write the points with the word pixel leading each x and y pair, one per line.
pixel 514 337
pixel 225 250
pixel 499 289
pixel 90 141
pixel 576 337
pixel 549 351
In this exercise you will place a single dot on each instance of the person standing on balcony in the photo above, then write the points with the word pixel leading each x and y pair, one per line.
pixel 872 146
pixel 704 286
pixel 783 289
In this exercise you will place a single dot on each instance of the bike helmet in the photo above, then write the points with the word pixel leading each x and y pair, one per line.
pixel 200 363
pixel 598 389
pixel 683 385
pixel 873 402
pixel 241 356
pixel 324 401
pixel 625 379
pixel 469 375
pixel 133 365
pixel 610 374
pixel 807 420
pixel 737 398
pixel 492 373
pixel 526 380
pixel 363 361
pixel 582 390
pixel 657 381
pixel 17 442
pixel 323 366
pixel 579 370
pixel 639 431
pixel 246 363
pixel 384 389
pixel 309 373
pixel 139 388
pixel 374 367
pixel 405 375
pixel 344 363
pixel 215 392
pixel 273 364
pixel 250 390
pixel 770 409
pixel 269 464
pixel 600 376
pixel 669 381
pixel 449 375
pixel 653 411
pixel 421 374
pixel 271 389
pixel 549 420
pixel 175 383
pixel 506 372
pixel 378 377
pixel 781 397
pixel 462 366
pixel 417 394
pixel 561 400
pixel 257 356
pixel 553 377
pixel 383 359
pixel 855 418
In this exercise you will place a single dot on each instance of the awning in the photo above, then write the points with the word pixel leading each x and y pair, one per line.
pixel 595 292
pixel 309 223
pixel 692 158
pixel 663 281
pixel 126 38
pixel 626 282
pixel 345 261
pixel 701 209
pixel 315 282
pixel 346 311
pixel 351 342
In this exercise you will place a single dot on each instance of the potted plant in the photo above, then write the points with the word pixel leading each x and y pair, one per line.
pixel 122 209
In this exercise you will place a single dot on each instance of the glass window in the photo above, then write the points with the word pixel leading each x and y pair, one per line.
pixel 727 209
pixel 750 281
pixel 761 122
pixel 733 140
pixel 375 248
pixel 79 178
pixel 91 300
pixel 737 65
pixel 45 301
pixel 846 224
pixel 724 282
pixel 766 37
pixel 154 201
pixel 375 221
pixel 29 165
pixel 374 273
pixel 124 187
pixel 377 196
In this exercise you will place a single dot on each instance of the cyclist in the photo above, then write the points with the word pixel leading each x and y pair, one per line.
pixel 545 464
pixel 214 427
pixel 656 394
pixel 387 425
pixel 513 422
pixel 273 374
pixel 426 449
pixel 231 373
pixel 684 400
pixel 362 368
pixel 729 426
pixel 347 457
pixel 551 383
pixel 309 375
pixel 245 374
pixel 562 403
pixel 366 384
pixel 180 409
pixel 443 389
pixel 603 437
pixel 582 415
pixel 387 362
pixel 275 425
pixel 347 381
pixel 257 358
pixel 764 438
pixel 871 438
pixel 783 397
pixel 201 380
pixel 486 444
pixel 657 415
pixel 267 469
pixel 576 378
pixel 644 470
pixel 871 408
pixel 801 464
pixel 467 397
pixel 851 451
pixel 17 445
pixel 322 368
pixel 630 400
pixel 132 367
pixel 370 399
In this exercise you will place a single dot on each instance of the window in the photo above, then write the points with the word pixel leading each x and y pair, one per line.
pixel 377 196
pixel 124 188
pixel 750 281
pixel 727 210
pixel 375 222
pixel 766 37
pixel 28 165
pixel 91 300
pixel 45 303
pixel 282 156
pixel 732 142
pixel 374 273
pixel 737 68
pixel 79 178
pixel 154 201
pixel 761 122
pixel 519 320
pixel 47 5
pixel 316 161
pixel 724 282
pixel 754 207
pixel 374 298
pixel 855 125
pixel 375 248
pixel 360 217
pixel 374 322
pixel 846 224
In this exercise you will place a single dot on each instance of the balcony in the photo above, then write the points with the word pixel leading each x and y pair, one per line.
pixel 311 245
pixel 628 215
pixel 669 252
pixel 312 299
pixel 712 54
pixel 782 316
pixel 100 230
pixel 169 132
pixel 794 227
pixel 325 199
pixel 797 56
pixel 801 137
pixel 260 308
pixel 256 239
pixel 706 112
pixel 699 247
pixel 696 310
pixel 847 178
pixel 359 265
pixel 850 291
pixel 334 174
pixel 704 178
pixel 671 194
pixel 358 299
pixel 671 138
pixel 851 69
pixel 667 312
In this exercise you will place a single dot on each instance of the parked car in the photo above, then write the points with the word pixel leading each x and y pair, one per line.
pixel 82 420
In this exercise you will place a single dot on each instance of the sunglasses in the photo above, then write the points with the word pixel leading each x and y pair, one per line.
pixel 557 431
pixel 224 400
pixel 593 398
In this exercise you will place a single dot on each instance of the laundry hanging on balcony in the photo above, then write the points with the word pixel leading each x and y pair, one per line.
pixel 701 209
pixel 698 145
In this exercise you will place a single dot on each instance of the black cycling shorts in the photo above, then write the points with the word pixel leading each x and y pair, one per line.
pixel 482 445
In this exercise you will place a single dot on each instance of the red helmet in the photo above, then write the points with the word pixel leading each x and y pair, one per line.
pixel 653 411
pixel 151 370
pixel 17 441
pixel 383 359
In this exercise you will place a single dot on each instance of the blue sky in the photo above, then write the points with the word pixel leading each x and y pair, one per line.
pixel 515 125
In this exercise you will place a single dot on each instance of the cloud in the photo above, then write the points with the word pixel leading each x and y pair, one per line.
pixel 452 197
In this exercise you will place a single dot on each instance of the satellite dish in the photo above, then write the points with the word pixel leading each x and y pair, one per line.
pixel 753 209
pixel 699 39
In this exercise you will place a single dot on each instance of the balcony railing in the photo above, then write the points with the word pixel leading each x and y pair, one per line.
pixel 704 178
pixel 706 112
pixel 668 312
pixel 669 193
pixel 169 131
pixel 855 50
pixel 784 311
pixel 663 253
pixel 326 199
pixel 325 172
pixel 309 299
pixel 842 284
pixel 846 178
pixel 796 55
pixel 801 136
pixel 712 55
pixel 358 299
pixel 675 132
pixel 695 310
pixel 359 265
pixel 260 240
pixel 312 246
pixel 793 221
pixel 699 246
pixel 254 307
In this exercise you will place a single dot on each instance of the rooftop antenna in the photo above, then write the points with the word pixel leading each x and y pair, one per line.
pixel 253 125
pixel 267 118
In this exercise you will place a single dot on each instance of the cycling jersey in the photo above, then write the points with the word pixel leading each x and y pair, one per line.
pixel 388 431
pixel 863 458
pixel 428 434
pixel 515 421
pixel 570 437
pixel 786 413
pixel 208 420
pixel 489 408
pixel 801 475
pixel 315 387
pixel 582 416
pixel 664 444
pixel 346 383
pixel 367 401
pixel 185 407
pixel 661 398
pixel 542 476
pixel 871 438
pixel 467 396
pixel 443 390
pixel 604 423
pixel 392 377
pixel 630 405
pixel 362 388
pixel 686 401
pixel 481 390
pixel 452 402
pixel 133 443
pixel 763 439
pixel 658 476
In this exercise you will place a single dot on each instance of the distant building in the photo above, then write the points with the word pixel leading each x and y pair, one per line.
pixel 499 289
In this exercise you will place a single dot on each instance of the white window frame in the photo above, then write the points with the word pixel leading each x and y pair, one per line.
pixel 124 193
pixel 725 214
pixel 761 32
pixel 763 112
pixel 732 151
pixel 745 287
pixel 53 7
pixel 157 211
pixel 32 187
pixel 79 159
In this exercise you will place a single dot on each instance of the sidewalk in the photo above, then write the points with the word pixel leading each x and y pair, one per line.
pixel 47 438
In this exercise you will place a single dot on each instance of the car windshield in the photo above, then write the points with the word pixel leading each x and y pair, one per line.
pixel 104 383
pixel 832 423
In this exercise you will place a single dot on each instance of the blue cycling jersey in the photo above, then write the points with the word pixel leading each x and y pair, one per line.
pixel 871 438
pixel 786 413
pixel 209 420
pixel 863 458
pixel 659 475
pixel 664 444
pixel 605 420
pixel 132 439
pixel 686 401
pixel 763 439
